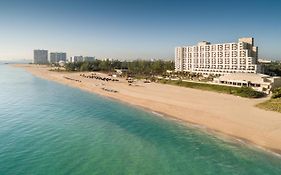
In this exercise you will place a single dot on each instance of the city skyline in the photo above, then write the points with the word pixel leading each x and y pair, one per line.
pixel 131 30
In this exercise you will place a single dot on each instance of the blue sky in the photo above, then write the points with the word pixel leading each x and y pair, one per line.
pixel 134 29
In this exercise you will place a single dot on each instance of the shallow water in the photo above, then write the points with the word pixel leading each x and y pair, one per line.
pixel 49 128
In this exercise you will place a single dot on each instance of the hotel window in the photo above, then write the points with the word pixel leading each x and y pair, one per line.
pixel 227 54
pixel 213 47
pixel 234 53
pixel 242 46
pixel 234 61
pixel 207 48
pixel 220 47
pixel 195 49
pixel 227 61
pixel 227 46
pixel 242 53
pixel 234 46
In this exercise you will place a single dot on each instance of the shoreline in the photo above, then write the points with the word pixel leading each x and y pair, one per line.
pixel 216 127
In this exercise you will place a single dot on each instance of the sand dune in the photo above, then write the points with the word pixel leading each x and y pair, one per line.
pixel 227 114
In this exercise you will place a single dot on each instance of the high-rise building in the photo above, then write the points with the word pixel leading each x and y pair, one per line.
pixel 40 57
pixel 207 58
pixel 55 57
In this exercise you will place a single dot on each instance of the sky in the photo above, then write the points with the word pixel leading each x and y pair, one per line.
pixel 134 29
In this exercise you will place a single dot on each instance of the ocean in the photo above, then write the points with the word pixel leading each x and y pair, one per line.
pixel 51 129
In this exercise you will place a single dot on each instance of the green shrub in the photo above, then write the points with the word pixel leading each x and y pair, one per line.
pixel 276 93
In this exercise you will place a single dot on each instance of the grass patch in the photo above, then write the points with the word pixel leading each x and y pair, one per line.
pixel 272 105
pixel 238 91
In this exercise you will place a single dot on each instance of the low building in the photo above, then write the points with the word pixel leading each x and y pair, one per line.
pixel 259 82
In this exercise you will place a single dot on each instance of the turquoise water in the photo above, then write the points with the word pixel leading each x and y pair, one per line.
pixel 48 128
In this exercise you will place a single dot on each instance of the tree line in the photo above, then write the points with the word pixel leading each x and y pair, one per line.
pixel 273 69
pixel 136 67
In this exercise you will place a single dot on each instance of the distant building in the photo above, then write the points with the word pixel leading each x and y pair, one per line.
pixel 40 57
pixel 219 59
pixel 87 58
pixel 259 82
pixel 264 61
pixel 76 59
pixel 55 57
pixel 80 59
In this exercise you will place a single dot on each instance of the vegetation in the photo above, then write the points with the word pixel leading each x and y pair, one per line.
pixel 276 93
pixel 273 69
pixel 239 91
pixel 274 104
pixel 135 68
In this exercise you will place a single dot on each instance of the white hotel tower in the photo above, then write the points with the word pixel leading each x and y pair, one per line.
pixel 207 58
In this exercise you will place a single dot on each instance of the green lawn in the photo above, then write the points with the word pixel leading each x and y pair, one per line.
pixel 238 91
pixel 272 105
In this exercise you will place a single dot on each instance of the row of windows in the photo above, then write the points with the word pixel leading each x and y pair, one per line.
pixel 216 54
pixel 219 47
pixel 206 69
pixel 217 68
pixel 223 58
pixel 217 59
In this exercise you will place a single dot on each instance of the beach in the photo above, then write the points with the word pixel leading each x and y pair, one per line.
pixel 227 114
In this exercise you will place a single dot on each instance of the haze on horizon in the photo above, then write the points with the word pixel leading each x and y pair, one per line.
pixel 134 29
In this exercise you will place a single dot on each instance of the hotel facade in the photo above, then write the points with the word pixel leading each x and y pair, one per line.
pixel 218 59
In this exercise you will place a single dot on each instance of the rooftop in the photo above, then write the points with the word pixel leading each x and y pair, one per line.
pixel 244 77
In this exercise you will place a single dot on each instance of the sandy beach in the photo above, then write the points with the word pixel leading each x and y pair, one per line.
pixel 230 115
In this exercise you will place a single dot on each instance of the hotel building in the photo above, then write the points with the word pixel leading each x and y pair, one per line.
pixel 219 59
pixel 40 57
pixel 55 57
